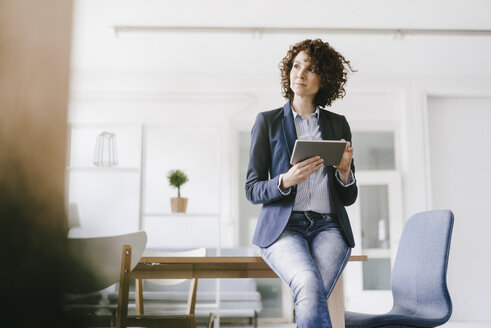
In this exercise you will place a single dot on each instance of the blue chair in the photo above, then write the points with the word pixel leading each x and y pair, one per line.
pixel 419 283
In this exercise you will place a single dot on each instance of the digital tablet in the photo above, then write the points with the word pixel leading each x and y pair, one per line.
pixel 329 150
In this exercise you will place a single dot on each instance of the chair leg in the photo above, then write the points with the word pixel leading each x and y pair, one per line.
pixel 124 288
pixel 139 297
pixel 193 288
pixel 211 320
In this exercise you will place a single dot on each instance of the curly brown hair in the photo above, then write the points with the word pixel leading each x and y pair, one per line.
pixel 330 65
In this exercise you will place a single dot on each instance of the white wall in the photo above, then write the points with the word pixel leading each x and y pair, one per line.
pixel 223 78
pixel 460 152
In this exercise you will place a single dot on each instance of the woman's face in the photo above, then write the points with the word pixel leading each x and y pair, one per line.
pixel 303 80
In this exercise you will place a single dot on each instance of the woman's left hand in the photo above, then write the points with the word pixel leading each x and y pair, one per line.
pixel 344 167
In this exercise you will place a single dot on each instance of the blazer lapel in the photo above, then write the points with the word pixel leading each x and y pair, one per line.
pixel 289 131
pixel 325 125
pixel 327 133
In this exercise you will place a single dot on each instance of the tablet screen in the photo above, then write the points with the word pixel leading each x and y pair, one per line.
pixel 329 150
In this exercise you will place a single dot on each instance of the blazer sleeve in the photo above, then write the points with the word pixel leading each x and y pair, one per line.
pixel 349 193
pixel 260 189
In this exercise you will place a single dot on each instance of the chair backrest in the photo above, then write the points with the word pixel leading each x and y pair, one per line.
pixel 188 253
pixel 419 282
pixel 98 260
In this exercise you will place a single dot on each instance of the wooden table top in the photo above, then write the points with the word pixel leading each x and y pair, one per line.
pixel 219 259
pixel 154 267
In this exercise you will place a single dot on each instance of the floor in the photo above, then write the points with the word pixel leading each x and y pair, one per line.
pixel 447 325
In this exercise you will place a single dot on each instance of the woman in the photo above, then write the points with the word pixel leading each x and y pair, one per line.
pixel 303 230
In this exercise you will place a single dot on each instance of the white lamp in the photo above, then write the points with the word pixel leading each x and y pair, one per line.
pixel 105 150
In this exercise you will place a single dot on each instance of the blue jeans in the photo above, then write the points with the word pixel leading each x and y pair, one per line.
pixel 309 256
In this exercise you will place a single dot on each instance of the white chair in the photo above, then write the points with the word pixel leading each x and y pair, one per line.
pixel 98 265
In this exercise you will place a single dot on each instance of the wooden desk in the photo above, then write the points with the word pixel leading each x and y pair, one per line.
pixel 211 267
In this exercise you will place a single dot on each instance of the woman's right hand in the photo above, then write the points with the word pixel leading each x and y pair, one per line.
pixel 301 172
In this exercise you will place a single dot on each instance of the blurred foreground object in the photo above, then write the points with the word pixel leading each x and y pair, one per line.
pixel 34 75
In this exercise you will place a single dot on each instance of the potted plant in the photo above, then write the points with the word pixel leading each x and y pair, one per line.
pixel 176 179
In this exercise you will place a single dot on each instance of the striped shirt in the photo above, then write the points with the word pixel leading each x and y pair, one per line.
pixel 313 193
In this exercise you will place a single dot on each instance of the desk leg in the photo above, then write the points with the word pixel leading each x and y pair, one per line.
pixel 335 303
pixel 124 288
pixel 139 296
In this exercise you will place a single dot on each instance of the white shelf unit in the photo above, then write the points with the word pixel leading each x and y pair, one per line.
pixel 196 151
pixel 135 194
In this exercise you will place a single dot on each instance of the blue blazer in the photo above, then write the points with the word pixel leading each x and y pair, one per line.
pixel 272 139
